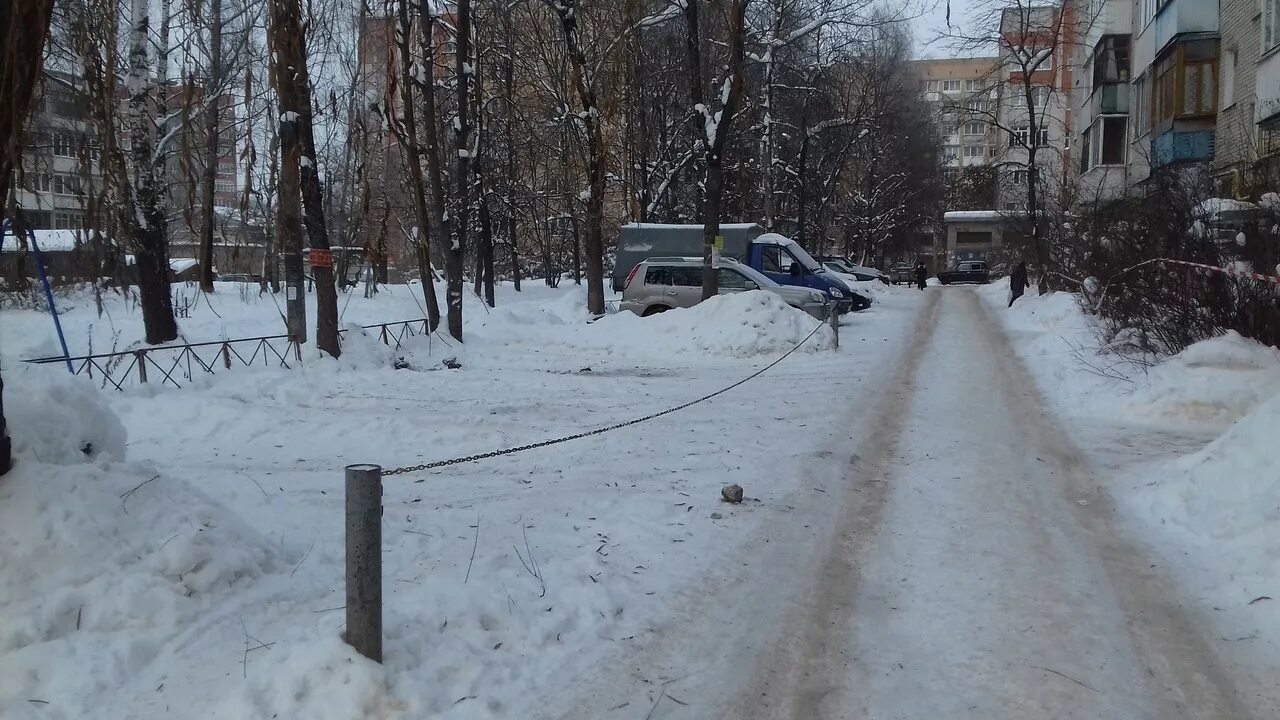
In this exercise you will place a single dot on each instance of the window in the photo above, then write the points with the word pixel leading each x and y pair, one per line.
pixel 1020 137
pixel 1141 107
pixel 931 86
pixel 973 85
pixel 1185 83
pixel 731 280
pixel 991 151
pixel 975 128
pixel 1228 78
pixel 1270 28
pixel 950 86
pixel 950 153
pixel 1114 139
pixel 973 151
pixel 1042 137
pixel 1086 159
pixel 66 185
pixel 62 145
pixel 38 182
pixel 1111 60
pixel 657 276
pixel 1019 177
pixel 976 106
pixel 686 276
pixel 775 259
pixel 66 221
pixel 224 187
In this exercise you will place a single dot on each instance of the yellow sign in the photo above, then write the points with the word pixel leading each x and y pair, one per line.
pixel 720 243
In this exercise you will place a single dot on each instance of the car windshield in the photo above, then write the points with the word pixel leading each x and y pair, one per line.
pixel 839 266
pixel 805 258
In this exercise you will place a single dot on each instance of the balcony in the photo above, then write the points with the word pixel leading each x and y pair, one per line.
pixel 1182 147
pixel 1111 99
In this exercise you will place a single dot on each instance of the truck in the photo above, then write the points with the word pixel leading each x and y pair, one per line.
pixel 780 258
pixel 971 271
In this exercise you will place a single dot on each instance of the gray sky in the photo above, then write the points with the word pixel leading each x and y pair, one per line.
pixel 933 22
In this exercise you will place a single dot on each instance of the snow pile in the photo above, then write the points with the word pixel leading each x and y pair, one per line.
pixel 103 567
pixel 745 324
pixel 1212 382
pixel 58 419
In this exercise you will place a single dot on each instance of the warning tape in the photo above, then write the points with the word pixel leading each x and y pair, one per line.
pixel 1206 269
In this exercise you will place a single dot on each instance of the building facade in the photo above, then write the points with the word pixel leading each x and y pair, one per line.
pixel 963 97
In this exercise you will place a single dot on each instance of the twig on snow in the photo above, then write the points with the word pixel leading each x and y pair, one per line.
pixel 1064 675
pixel 530 565
pixel 124 497
pixel 255 482
pixel 474 544
pixel 305 555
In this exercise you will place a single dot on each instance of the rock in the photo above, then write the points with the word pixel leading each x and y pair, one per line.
pixel 732 493
pixel 716 516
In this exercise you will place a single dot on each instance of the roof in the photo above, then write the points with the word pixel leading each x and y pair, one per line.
pixel 979 215
pixel 49 240
pixel 674 226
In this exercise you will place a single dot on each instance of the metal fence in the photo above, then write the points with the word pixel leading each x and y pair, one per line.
pixel 167 364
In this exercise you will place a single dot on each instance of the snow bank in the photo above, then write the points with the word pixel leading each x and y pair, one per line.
pixel 58 419
pixel 103 567
pixel 743 324
pixel 1212 382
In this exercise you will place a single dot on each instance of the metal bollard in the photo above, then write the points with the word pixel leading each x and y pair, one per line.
pixel 835 327
pixel 364 560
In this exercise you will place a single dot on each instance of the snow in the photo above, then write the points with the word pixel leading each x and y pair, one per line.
pixel 977 215
pixel 1188 451
pixel 201 572
pixel 179 265
pixel 1211 208
pixel 48 240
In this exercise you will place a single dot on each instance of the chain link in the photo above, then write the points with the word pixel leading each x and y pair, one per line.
pixel 602 430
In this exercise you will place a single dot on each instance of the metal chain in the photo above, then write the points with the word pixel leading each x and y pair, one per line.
pixel 599 431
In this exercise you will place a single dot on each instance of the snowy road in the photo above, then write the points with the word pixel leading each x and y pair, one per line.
pixel 967 567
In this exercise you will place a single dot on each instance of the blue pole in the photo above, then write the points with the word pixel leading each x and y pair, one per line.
pixel 48 292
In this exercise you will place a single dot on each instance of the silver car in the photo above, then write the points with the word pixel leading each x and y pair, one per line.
pixel 660 284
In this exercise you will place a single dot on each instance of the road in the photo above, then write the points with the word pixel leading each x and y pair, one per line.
pixel 969 567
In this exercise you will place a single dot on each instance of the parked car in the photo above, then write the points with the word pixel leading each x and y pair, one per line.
pixel 239 278
pixel 779 258
pixel 972 271
pixel 903 274
pixel 660 284
pixel 860 273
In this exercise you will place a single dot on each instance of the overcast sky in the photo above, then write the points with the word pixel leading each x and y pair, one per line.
pixel 933 22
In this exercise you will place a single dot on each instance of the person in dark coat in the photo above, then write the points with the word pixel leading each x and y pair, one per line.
pixel 921 274
pixel 1018 282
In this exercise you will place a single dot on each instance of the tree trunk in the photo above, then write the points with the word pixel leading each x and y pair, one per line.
pixel 144 216
pixel 212 108
pixel 484 253
pixel 440 226
pixel 24 26
pixel 802 185
pixel 411 146
pixel 515 251
pixel 453 257
pixel 286 44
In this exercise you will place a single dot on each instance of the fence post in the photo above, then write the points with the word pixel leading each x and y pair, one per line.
pixel 226 355
pixel 142 366
pixel 835 327
pixel 364 560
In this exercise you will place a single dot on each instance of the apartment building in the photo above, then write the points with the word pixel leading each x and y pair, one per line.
pixel 61 169
pixel 1102 100
pixel 1175 91
pixel 963 96
pixel 1036 74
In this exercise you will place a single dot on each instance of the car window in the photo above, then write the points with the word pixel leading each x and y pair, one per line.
pixel 657 276
pixel 775 259
pixel 686 277
pixel 731 279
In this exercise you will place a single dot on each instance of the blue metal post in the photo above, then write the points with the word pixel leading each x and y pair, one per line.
pixel 48 291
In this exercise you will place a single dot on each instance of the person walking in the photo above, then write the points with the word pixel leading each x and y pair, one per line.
pixel 1018 282
pixel 922 274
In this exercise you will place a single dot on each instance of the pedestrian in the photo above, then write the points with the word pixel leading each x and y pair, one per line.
pixel 1018 282
pixel 922 273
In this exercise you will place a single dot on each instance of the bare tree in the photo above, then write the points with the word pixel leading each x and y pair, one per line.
pixel 713 125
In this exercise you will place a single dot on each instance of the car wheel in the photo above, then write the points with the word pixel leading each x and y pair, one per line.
pixel 654 310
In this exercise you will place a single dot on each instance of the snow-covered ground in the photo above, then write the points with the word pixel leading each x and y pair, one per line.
pixel 179 552
pixel 1191 445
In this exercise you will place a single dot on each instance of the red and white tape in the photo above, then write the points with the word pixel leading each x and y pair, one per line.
pixel 1226 271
